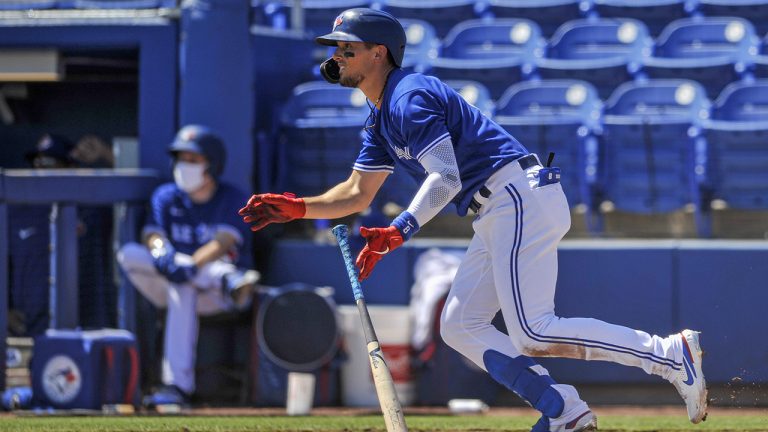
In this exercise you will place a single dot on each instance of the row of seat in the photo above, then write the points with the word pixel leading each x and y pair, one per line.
pixel 86 4
pixel 549 14
pixel 654 146
pixel 604 51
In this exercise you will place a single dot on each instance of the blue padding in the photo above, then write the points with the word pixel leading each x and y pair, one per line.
pixel 516 374
pixel 542 425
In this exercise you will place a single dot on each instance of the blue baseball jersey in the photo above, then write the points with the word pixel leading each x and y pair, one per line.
pixel 189 225
pixel 420 111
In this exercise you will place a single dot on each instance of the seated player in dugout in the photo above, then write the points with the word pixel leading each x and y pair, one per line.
pixel 194 257
pixel 458 155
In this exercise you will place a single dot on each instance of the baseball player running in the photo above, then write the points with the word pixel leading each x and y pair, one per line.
pixel 460 156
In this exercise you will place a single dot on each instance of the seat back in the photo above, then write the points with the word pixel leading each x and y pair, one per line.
pixel 320 104
pixel 756 11
pixel 622 38
pixel 548 14
pixel 422 44
pixel 496 39
pixel 730 37
pixel 737 138
pixel 743 101
pixel 474 92
pixel 442 14
pixel 319 136
pixel 559 116
pixel 650 133
pixel 656 14
pixel 29 4
pixel 318 14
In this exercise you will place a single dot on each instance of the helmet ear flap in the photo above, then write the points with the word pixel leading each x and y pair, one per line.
pixel 329 69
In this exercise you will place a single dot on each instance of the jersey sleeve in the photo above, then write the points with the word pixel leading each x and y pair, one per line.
pixel 157 220
pixel 421 119
pixel 373 157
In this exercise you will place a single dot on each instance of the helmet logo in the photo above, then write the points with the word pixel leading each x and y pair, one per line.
pixel 188 134
pixel 338 22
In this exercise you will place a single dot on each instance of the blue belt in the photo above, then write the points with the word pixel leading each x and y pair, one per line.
pixel 525 162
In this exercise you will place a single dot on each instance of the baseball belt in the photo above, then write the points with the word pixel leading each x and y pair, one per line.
pixel 525 162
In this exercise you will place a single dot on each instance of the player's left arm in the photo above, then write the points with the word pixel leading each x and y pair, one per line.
pixel 438 189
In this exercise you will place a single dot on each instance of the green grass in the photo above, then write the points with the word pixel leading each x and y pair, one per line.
pixel 420 423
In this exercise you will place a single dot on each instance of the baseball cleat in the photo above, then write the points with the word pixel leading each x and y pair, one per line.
pixel 584 422
pixel 169 399
pixel 690 382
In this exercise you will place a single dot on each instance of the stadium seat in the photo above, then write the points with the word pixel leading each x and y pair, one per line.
pixel 548 14
pixel 651 130
pixel 656 14
pixel 761 59
pixel 319 136
pixel 28 4
pixel 496 53
pixel 754 10
pixel 475 93
pixel 442 14
pixel 318 14
pixel 605 52
pixel 560 116
pixel 422 44
pixel 711 50
pixel 737 138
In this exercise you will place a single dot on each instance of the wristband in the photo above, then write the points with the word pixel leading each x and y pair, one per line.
pixel 406 224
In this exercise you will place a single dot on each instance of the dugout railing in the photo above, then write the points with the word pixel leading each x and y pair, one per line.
pixel 66 189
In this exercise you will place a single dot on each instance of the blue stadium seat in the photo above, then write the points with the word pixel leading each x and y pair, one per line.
pixel 422 44
pixel 711 50
pixel 474 92
pixel 651 130
pixel 761 59
pixel 560 116
pixel 319 136
pixel 737 139
pixel 318 14
pixel 605 52
pixel 497 53
pixel 656 14
pixel 548 14
pixel 442 14
pixel 754 10
pixel 28 4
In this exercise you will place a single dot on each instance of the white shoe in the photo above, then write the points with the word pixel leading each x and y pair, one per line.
pixel 690 382
pixel 584 422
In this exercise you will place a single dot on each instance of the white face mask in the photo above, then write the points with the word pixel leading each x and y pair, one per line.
pixel 188 176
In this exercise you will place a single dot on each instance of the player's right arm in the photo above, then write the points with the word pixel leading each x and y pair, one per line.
pixel 350 196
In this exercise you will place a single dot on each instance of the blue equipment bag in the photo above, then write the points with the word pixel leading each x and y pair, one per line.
pixel 74 369
pixel 296 331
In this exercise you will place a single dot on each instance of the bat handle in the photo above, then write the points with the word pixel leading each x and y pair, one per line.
pixel 341 233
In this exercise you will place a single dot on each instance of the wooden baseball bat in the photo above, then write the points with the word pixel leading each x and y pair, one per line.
pixel 382 378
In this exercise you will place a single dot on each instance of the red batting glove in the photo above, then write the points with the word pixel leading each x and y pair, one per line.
pixel 379 242
pixel 264 209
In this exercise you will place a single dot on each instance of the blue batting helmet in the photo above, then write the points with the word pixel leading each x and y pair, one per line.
pixel 201 140
pixel 368 25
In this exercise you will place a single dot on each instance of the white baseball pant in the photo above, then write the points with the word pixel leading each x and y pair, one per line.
pixel 511 264
pixel 203 295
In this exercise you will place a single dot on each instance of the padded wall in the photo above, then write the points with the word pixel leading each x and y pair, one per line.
pixel 662 287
